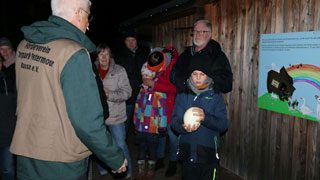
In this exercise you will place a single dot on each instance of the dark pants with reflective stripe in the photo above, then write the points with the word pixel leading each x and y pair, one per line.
pixel 192 171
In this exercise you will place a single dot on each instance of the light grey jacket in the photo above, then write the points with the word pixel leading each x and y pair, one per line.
pixel 119 90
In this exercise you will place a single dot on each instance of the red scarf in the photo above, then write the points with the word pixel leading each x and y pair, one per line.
pixel 102 72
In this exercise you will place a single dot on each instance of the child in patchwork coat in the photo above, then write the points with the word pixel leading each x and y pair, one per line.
pixel 151 111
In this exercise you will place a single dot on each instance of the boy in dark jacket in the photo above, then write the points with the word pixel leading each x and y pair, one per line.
pixel 198 142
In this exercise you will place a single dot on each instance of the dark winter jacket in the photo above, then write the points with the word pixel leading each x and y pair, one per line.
pixel 221 72
pixel 132 63
pixel 199 146
pixel 8 103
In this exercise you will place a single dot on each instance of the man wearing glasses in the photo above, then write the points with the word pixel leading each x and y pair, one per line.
pixel 59 113
pixel 221 72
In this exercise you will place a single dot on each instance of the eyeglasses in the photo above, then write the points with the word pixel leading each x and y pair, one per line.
pixel 199 32
pixel 90 16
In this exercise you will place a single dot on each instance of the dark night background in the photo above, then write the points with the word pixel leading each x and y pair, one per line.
pixel 103 28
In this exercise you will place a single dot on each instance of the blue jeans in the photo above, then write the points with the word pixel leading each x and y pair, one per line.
pixel 118 132
pixel 6 164
pixel 173 139
pixel 129 111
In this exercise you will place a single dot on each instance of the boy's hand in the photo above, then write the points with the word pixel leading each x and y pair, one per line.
pixel 190 128
pixel 198 112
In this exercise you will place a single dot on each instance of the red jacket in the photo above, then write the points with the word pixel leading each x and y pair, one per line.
pixel 164 85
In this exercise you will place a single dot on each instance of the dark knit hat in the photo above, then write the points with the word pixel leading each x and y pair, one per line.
pixel 200 62
pixel 130 33
pixel 5 42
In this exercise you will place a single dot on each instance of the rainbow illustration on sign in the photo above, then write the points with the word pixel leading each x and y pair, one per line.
pixel 289 74
pixel 305 98
pixel 307 73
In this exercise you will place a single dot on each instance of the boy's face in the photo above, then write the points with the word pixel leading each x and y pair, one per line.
pixel 198 77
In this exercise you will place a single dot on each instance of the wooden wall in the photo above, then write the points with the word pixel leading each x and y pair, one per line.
pixel 176 32
pixel 260 144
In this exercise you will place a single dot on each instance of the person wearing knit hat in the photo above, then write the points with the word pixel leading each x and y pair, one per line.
pixel 132 56
pixel 200 62
pixel 7 108
pixel 198 143
pixel 7 51
pixel 4 41
pixel 130 33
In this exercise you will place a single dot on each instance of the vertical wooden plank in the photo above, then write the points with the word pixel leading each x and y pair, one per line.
pixel 234 135
pixel 266 133
pixel 279 21
pixel 311 150
pixel 299 149
pixel 285 151
pixel 295 149
pixel 316 23
pixel 255 123
pixel 230 45
pixel 275 147
pixel 303 23
pixel 235 120
pixel 249 66
pixel 263 130
pixel 243 74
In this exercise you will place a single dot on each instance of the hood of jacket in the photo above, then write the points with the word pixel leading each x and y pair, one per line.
pixel 42 32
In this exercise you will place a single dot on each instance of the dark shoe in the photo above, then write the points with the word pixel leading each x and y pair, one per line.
pixel 150 169
pixel 159 164
pixel 172 169
pixel 141 170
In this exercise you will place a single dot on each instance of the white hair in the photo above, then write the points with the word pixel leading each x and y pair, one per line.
pixel 66 8
pixel 204 21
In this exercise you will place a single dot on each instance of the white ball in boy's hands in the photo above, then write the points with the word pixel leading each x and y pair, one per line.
pixel 189 118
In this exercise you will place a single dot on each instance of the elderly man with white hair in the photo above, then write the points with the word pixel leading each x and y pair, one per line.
pixel 59 113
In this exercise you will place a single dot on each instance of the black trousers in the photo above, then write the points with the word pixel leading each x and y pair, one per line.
pixel 147 144
pixel 192 171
